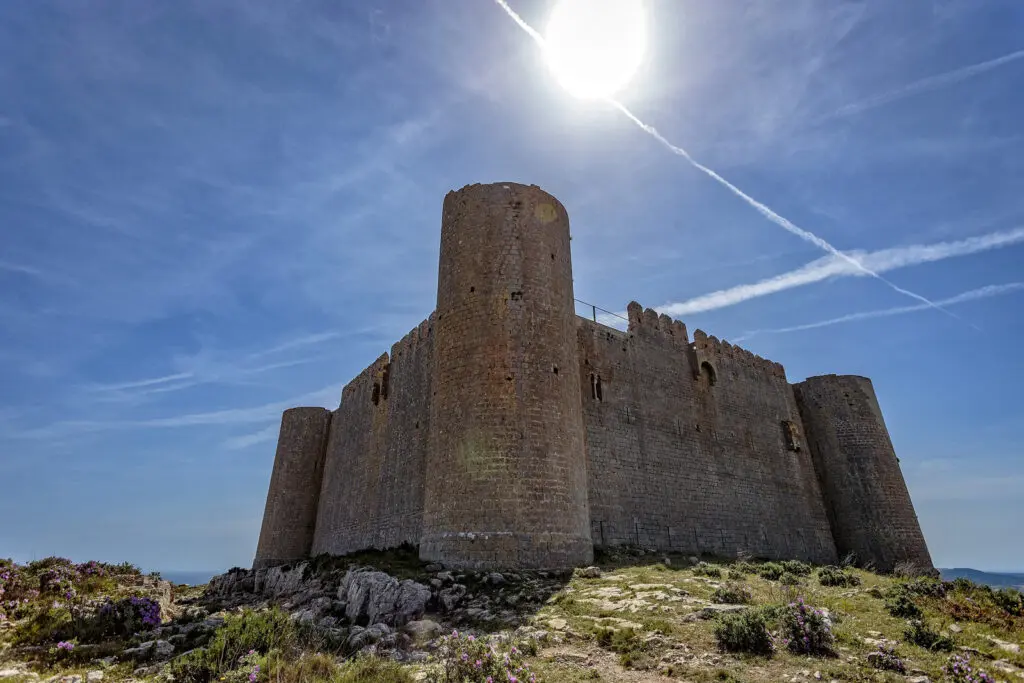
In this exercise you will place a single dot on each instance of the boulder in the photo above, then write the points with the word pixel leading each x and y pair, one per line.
pixel 423 630
pixel 589 573
pixel 94 676
pixel 450 597
pixel 373 597
pixel 151 649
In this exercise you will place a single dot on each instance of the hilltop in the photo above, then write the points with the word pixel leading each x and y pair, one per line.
pixel 387 617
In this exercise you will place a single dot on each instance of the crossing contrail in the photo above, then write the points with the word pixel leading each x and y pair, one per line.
pixel 760 207
pixel 972 295
pixel 924 85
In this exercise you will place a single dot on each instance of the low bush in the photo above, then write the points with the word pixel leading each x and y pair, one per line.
pixel 901 605
pixel 770 571
pixel 1010 600
pixel 931 588
pixel 797 567
pixel 707 569
pixel 732 594
pixel 834 576
pixel 245 634
pixel 922 635
pixel 369 670
pixel 743 567
pixel 789 579
pixel 744 631
pixel 805 630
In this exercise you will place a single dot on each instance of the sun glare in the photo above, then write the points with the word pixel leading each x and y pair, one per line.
pixel 595 46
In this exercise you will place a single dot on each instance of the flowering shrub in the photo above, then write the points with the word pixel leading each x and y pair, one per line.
pixel 805 630
pixel 128 615
pixel 885 657
pixel 959 670
pixel 467 659
pixel 744 632
pixel 732 594
pixel 834 576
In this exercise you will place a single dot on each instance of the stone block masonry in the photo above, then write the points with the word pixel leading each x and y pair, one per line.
pixel 506 432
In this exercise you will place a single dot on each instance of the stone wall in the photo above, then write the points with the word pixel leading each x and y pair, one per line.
pixel 690 445
pixel 372 492
pixel 869 506
pixel 289 517
pixel 507 484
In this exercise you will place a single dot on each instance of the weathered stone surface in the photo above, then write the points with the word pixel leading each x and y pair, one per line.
pixel 373 597
pixel 423 630
pixel 150 650
pixel 94 676
pixel 449 597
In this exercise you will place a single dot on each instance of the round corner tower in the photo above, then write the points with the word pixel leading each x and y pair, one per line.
pixel 869 507
pixel 289 518
pixel 506 478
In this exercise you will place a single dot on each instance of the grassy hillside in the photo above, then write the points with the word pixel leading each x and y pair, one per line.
pixel 628 620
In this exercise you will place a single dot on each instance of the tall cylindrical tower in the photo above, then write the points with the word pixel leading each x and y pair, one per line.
pixel 868 504
pixel 289 518
pixel 506 479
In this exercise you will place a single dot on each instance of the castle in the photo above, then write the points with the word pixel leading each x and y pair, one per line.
pixel 506 431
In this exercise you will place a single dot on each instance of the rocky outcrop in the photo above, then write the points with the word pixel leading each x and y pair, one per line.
pixel 373 597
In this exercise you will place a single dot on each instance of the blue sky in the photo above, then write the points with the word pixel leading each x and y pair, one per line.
pixel 211 211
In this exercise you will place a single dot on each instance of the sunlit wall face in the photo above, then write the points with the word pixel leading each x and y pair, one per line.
pixel 594 47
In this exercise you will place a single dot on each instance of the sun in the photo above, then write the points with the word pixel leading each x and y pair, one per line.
pixel 595 46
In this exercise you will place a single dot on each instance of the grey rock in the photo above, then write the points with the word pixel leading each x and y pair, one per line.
pixel 711 611
pixel 450 597
pixel 17 671
pixel 94 676
pixel 328 622
pixel 434 567
pixel 445 577
pixel 151 649
pixel 423 630
pixel 495 579
pixel 589 572
pixel 381 598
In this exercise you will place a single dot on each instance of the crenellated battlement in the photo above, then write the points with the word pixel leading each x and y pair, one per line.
pixel 415 338
pixel 710 348
pixel 649 321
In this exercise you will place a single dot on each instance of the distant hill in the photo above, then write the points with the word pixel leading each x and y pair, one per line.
pixel 191 577
pixel 987 578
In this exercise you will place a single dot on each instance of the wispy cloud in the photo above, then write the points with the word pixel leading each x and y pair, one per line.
pixel 972 295
pixel 924 85
pixel 245 440
pixel 326 396
pixel 221 367
pixel 881 261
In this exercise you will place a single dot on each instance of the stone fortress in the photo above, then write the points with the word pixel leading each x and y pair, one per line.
pixel 505 431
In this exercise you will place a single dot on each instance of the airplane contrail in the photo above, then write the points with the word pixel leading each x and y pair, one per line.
pixel 923 85
pixel 827 267
pixel 972 295
pixel 761 208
